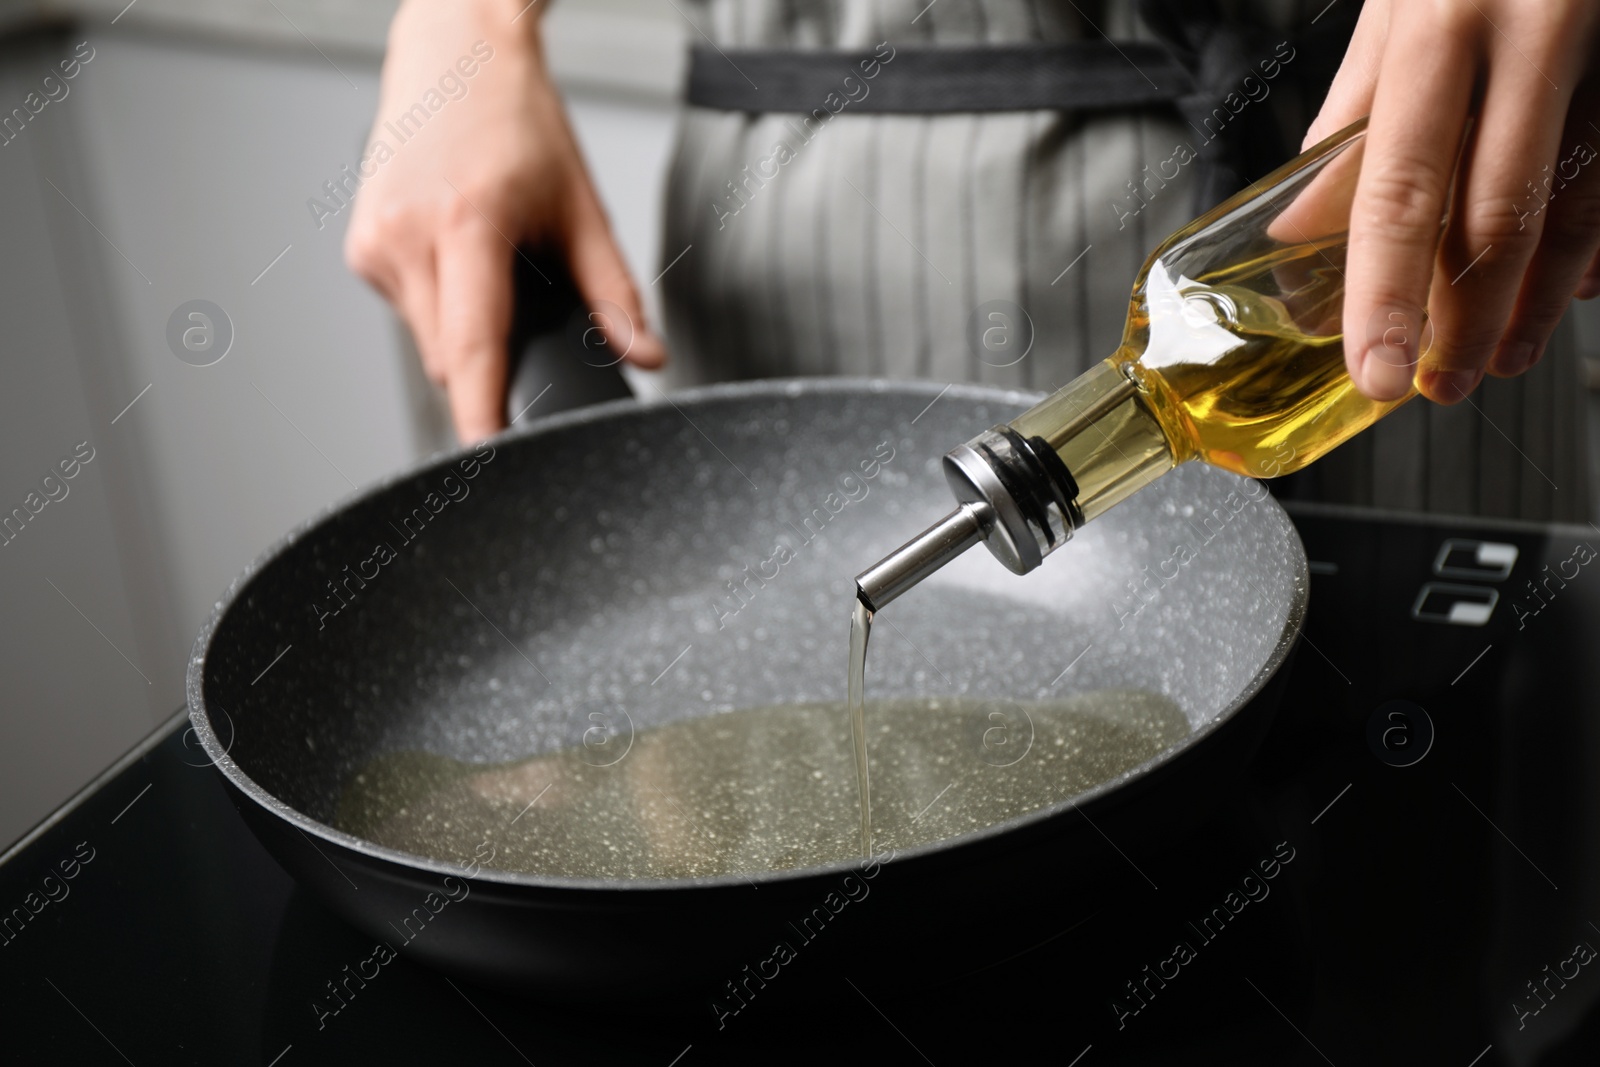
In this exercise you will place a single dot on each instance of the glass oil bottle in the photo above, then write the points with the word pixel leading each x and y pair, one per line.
pixel 1233 354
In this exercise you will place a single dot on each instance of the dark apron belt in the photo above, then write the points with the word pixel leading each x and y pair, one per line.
pixel 1081 75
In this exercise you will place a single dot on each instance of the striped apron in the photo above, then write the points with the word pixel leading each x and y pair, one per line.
pixel 854 203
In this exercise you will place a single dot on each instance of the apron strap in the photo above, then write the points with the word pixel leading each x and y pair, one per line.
pixel 1097 75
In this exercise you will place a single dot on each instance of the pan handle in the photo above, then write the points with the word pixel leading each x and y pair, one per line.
pixel 559 359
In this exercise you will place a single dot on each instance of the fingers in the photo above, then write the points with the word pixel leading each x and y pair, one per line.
pixel 1565 260
pixel 1490 241
pixel 1418 113
pixel 388 249
pixel 474 319
pixel 418 303
pixel 603 280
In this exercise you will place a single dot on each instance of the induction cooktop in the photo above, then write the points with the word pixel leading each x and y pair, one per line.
pixel 1410 873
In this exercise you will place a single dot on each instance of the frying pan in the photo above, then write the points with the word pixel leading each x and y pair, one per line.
pixel 588 561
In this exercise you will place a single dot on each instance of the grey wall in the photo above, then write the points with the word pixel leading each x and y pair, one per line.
pixel 182 158
pixel 71 701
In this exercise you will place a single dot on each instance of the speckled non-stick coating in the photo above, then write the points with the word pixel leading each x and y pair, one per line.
pixel 579 573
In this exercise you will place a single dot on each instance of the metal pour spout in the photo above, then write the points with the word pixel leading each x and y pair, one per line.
pixel 922 555
pixel 1014 494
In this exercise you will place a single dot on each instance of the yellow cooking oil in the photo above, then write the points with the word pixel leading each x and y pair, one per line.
pixel 1242 367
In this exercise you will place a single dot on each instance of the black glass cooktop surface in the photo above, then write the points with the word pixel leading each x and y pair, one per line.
pixel 1409 874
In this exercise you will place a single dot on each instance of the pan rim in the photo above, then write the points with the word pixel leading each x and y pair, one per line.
pixel 773 388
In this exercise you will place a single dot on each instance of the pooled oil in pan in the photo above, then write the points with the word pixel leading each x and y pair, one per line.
pixel 760 789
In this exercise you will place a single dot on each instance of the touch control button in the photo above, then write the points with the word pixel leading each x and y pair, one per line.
pixel 1457 605
pixel 1462 557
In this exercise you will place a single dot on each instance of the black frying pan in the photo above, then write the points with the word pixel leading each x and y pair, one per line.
pixel 563 567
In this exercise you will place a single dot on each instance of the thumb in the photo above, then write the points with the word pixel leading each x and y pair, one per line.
pixel 605 284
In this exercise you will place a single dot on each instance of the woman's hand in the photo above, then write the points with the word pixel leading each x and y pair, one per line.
pixel 1524 216
pixel 495 165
